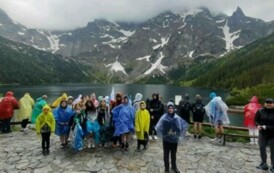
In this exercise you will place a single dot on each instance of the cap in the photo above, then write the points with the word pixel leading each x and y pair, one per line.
pixel 269 100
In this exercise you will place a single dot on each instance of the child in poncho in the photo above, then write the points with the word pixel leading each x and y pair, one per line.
pixel 171 127
pixel 142 121
pixel 45 125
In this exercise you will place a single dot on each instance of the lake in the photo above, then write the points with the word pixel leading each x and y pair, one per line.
pixel 166 91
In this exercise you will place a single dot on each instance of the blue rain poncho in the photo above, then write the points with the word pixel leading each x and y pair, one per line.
pixel 216 111
pixel 77 138
pixel 62 118
pixel 171 128
pixel 123 118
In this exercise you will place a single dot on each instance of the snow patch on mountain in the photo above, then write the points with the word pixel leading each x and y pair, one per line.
pixel 21 33
pixel 127 33
pixel 116 66
pixel 144 57
pixel 164 41
pixel 229 37
pixel 191 53
pixel 220 21
pixel 1 24
pixel 157 65
pixel 53 41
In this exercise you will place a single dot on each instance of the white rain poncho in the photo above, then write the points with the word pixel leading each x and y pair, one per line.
pixel 216 111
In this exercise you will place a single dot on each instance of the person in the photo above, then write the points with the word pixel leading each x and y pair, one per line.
pixel 137 101
pixel 264 120
pixel 198 113
pixel 118 100
pixel 62 115
pixel 249 114
pixel 103 120
pixel 70 102
pixel 184 108
pixel 142 121
pixel 171 128
pixel 216 110
pixel 38 106
pixel 92 127
pixel 123 118
pixel 156 110
pixel 57 102
pixel 94 100
pixel 45 125
pixel 25 103
pixel 78 125
pixel 7 106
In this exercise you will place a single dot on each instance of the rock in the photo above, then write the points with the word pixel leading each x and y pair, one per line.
pixel 23 164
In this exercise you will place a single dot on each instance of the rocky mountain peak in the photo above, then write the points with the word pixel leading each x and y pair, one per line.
pixel 238 13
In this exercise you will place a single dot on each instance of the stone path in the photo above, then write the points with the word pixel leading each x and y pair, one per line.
pixel 21 152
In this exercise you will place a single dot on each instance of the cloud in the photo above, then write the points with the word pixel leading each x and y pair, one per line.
pixel 70 14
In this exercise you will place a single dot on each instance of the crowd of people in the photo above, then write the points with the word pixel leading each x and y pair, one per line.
pixel 88 121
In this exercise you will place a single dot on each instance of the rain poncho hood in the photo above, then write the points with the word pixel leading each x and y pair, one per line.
pixel 138 97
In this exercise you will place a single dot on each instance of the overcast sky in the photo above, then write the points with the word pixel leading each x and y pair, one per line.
pixel 70 14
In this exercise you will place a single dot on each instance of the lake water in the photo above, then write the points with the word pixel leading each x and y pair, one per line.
pixel 166 91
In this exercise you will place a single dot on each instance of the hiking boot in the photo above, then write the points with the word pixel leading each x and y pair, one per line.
pixel 195 136
pixel 44 152
pixel 167 171
pixel 262 166
pixel 176 170
pixel 199 136
pixel 47 151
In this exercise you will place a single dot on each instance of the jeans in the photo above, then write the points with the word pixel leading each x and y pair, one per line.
pixel 45 140
pixel 5 125
pixel 263 142
pixel 170 148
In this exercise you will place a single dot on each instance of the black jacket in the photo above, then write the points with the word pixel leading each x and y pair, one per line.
pixel 265 116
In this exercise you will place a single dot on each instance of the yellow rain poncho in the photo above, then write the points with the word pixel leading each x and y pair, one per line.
pixel 43 119
pixel 142 121
pixel 57 102
pixel 25 107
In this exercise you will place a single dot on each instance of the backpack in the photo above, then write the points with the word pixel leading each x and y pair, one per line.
pixel 185 106
pixel 198 108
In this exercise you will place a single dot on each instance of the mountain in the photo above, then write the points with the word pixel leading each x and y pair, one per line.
pixel 27 65
pixel 247 67
pixel 130 52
